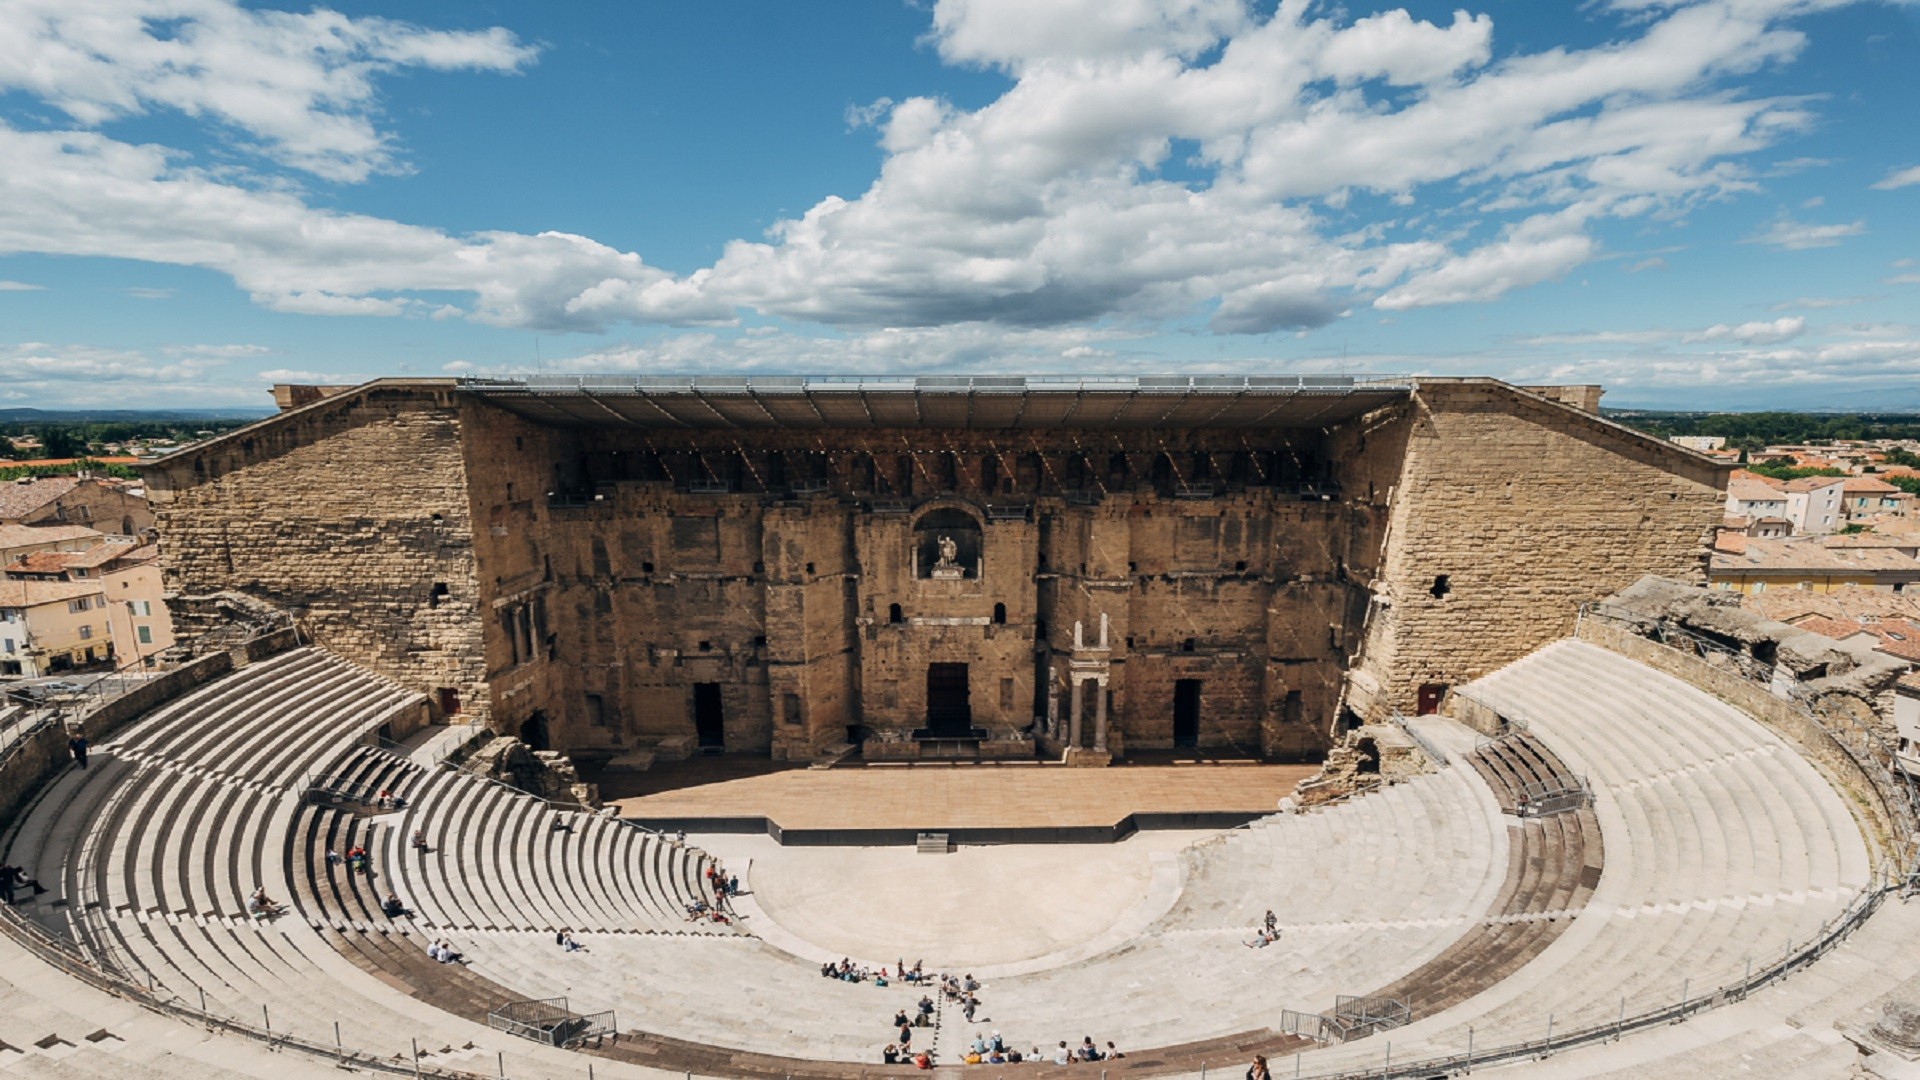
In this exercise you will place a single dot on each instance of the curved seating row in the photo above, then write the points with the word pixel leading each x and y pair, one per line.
pixel 499 859
pixel 1720 841
pixel 1723 846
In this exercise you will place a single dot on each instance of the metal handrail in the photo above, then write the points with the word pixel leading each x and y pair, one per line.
pixel 1688 1005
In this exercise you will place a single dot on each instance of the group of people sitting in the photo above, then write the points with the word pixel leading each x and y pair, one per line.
pixel 848 971
pixel 443 951
pixel 357 860
pixel 387 800
pixel 701 911
pixel 993 1050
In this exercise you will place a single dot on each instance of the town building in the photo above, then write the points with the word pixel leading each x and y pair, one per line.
pixel 107 505
pixel 18 540
pixel 1814 504
pixel 1864 496
pixel 121 583
pixel 1748 564
pixel 52 626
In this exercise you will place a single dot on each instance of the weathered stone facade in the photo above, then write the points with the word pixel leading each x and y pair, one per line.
pixel 353 516
pixel 595 582
pixel 1512 510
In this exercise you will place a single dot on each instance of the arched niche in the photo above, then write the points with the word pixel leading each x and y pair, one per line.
pixel 934 532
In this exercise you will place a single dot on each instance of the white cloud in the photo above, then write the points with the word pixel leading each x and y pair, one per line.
pixel 20 286
pixel 1785 328
pixel 1016 34
pixel 1817 302
pixel 144 292
pixel 33 364
pixel 1652 262
pixel 79 193
pixel 1539 249
pixel 1899 178
pixel 1046 207
pixel 301 85
pixel 1784 232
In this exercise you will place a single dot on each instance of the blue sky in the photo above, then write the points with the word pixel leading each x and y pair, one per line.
pixel 1708 204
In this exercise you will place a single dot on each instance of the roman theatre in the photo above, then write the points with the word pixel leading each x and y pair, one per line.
pixel 1061 687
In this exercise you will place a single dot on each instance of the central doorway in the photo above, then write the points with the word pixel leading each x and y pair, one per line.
pixel 708 723
pixel 1186 714
pixel 949 711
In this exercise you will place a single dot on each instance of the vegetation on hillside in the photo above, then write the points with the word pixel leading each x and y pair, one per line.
pixel 75 439
pixel 1751 431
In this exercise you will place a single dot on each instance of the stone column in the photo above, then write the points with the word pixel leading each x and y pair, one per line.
pixel 1073 714
pixel 1100 715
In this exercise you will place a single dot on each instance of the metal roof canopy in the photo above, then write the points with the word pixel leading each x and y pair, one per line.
pixel 986 402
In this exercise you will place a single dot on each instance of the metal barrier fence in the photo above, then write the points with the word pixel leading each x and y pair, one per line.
pixel 1554 795
pixel 550 1021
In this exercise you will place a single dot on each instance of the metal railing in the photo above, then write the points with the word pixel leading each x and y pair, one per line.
pixel 1427 746
pixel 721 385
pixel 1694 996
pixel 71 959
pixel 551 1022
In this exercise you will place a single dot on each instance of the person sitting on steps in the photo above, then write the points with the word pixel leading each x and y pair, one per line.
pixel 260 906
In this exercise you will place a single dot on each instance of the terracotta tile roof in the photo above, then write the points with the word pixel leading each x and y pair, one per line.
pixel 1744 474
pixel 43 462
pixel 34 593
pixel 145 553
pixel 1742 490
pixel 1731 541
pixel 1867 485
pixel 59 562
pixel 1872 540
pixel 40 562
pixel 1825 626
pixel 1854 602
pixel 20 499
pixel 1797 553
pixel 19 536
pixel 1814 483
pixel 1898 637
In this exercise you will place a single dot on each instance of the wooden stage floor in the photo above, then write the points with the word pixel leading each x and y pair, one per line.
pixel 948 797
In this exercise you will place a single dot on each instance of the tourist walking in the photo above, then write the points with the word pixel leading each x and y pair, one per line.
pixel 77 746
pixel 1258 1070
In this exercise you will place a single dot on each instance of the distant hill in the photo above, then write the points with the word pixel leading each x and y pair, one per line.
pixel 99 416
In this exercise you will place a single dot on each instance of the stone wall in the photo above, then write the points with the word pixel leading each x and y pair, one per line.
pixel 353 515
pixel 1510 512
pixel 813 610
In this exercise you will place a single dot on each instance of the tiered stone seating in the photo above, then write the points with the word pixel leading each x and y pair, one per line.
pixel 1722 845
pixel 1513 762
pixel 500 859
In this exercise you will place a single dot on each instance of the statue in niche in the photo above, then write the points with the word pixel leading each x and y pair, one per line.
pixel 948 567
